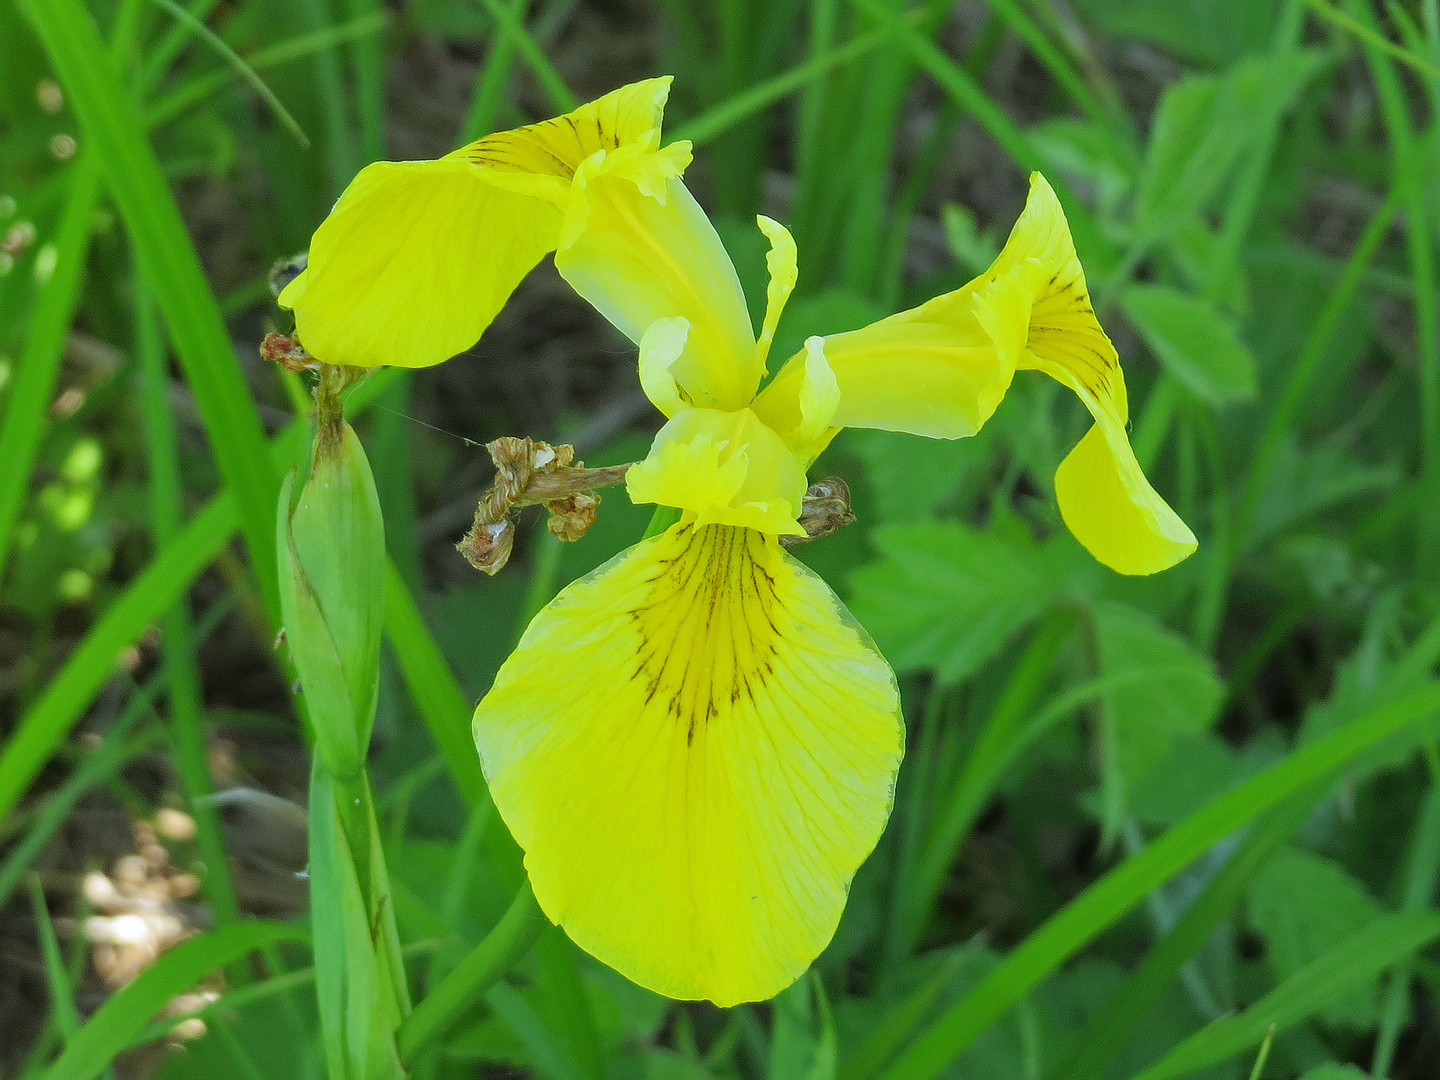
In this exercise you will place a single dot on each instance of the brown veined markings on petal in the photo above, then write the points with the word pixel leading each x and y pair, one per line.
pixel 705 864
pixel 1091 364
pixel 552 147
pixel 1064 330
pixel 707 626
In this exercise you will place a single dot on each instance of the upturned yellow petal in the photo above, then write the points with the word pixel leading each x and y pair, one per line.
pixel 414 262
pixel 1104 497
pixel 696 748
pixel 417 257
pixel 723 468
pixel 555 148
pixel 1112 509
pixel 782 262
pixel 938 370
pixel 639 258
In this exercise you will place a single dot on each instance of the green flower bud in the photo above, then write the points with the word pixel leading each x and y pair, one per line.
pixel 332 584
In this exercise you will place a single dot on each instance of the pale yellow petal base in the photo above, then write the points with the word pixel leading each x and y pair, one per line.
pixel 696 747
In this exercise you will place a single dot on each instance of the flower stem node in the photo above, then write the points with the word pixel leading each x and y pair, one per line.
pixel 530 473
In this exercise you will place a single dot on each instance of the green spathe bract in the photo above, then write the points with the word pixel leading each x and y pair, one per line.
pixel 332 555
pixel 332 565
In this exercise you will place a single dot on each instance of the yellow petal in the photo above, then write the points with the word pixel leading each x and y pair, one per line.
pixel 937 370
pixel 1103 494
pixel 1112 509
pixel 1063 330
pixel 782 263
pixel 631 114
pixel 724 468
pixel 414 262
pixel 819 393
pixel 696 748
pixel 660 346
pixel 638 258
pixel 417 257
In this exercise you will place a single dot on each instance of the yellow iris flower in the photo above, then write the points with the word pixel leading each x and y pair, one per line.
pixel 696 745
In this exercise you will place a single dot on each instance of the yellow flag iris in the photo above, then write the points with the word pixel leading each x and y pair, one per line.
pixel 696 745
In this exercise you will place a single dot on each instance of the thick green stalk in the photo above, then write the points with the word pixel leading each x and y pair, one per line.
pixel 332 586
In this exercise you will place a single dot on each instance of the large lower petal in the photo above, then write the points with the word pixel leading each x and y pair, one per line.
pixel 414 262
pixel 696 747
pixel 641 256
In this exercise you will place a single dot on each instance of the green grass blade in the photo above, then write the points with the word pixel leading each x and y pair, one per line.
pixel 342 154
pixel 1122 1016
pixel 549 1053
pixel 114 754
pixel 442 704
pixel 890 1032
pixel 1244 197
pixel 1114 894
pixel 45 725
pixel 1408 163
pixel 62 996
pixel 867 165
pixel 113 128
pixel 720 118
pixel 1096 251
pixel 163 54
pixel 562 991
pixel 1423 868
pixel 202 86
pixel 39 362
pixel 369 63
pixel 151 592
pixel 1114 122
pixel 117 1022
pixel 996 745
pixel 1292 396
pixel 240 67
pixel 1373 38
pixel 187 719
pixel 1351 963
pixel 243 996
pixel 561 98
pixel 810 121
pixel 481 968
pixel 490 87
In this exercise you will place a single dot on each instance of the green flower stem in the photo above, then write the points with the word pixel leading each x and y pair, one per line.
pixel 487 962
pixel 331 550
